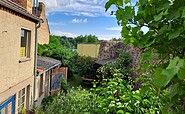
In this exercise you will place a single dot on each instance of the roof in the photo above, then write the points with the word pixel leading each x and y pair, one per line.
pixel 19 9
pixel 46 63
pixel 105 61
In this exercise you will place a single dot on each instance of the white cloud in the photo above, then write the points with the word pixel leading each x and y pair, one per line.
pixel 114 28
pixel 81 7
pixel 61 33
pixel 75 20
pixel 108 37
pixel 56 23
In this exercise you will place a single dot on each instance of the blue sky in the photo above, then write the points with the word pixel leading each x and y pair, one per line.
pixel 81 17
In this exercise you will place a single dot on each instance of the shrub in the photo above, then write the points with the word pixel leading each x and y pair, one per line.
pixel 121 64
pixel 85 66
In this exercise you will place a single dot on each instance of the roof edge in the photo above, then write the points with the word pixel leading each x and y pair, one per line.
pixel 19 11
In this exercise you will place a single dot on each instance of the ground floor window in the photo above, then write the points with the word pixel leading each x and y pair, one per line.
pixel 8 107
pixel 21 99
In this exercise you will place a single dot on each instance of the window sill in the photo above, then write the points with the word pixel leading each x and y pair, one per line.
pixel 24 60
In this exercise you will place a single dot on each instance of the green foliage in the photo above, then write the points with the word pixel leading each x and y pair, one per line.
pixel 56 50
pixel 121 64
pixel 85 66
pixel 63 86
pixel 86 39
pixel 77 101
pixel 113 96
pixel 67 42
pixel 165 38
pixel 116 96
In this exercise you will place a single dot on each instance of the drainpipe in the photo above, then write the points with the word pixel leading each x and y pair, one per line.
pixel 35 60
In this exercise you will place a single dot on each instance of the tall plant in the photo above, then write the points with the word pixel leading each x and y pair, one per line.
pixel 157 27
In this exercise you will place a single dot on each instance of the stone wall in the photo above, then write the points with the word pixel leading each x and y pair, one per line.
pixel 108 50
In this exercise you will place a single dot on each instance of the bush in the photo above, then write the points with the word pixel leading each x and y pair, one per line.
pixel 122 64
pixel 116 96
pixel 85 66
pixel 76 101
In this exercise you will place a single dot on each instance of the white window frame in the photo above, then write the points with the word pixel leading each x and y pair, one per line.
pixel 25 34
pixel 20 96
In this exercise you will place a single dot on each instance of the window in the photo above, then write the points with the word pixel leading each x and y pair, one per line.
pixel 21 99
pixel 8 106
pixel 25 43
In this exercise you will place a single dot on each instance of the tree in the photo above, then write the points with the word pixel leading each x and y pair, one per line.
pixel 87 39
pixel 162 43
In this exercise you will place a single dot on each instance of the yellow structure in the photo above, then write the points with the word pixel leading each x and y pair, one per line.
pixel 91 50
pixel 17 50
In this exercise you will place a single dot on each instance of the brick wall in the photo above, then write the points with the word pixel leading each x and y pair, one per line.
pixel 27 4
pixel 43 32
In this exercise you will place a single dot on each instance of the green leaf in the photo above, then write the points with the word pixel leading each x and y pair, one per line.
pixel 183 13
pixel 127 14
pixel 173 63
pixel 163 76
pixel 173 90
pixel 181 74
pixel 120 2
pixel 181 63
pixel 127 1
pixel 108 4
pixel 120 112
pixel 137 97
pixel 158 17
pixel 174 34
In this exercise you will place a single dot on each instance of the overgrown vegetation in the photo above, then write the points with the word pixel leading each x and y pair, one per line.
pixel 162 71
pixel 121 63
pixel 60 48
pixel 165 39
pixel 113 96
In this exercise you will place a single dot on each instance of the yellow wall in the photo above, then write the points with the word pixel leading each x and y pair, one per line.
pixel 91 50
pixel 14 75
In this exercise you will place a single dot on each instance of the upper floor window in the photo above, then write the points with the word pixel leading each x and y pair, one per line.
pixel 25 43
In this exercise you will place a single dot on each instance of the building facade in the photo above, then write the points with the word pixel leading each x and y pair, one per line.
pixel 17 55
pixel 43 31
pixel 88 49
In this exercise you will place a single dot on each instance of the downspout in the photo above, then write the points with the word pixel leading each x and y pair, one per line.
pixel 35 60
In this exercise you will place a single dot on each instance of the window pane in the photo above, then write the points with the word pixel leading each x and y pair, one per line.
pixel 19 94
pixel 25 43
pixel 3 111
pixel 23 99
pixel 22 33
pixel 23 91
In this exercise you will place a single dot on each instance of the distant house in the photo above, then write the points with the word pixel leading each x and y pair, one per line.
pixel 18 27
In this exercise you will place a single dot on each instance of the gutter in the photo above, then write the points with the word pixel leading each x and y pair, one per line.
pixel 35 60
pixel 19 11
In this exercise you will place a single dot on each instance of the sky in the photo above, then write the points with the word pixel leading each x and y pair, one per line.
pixel 81 17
